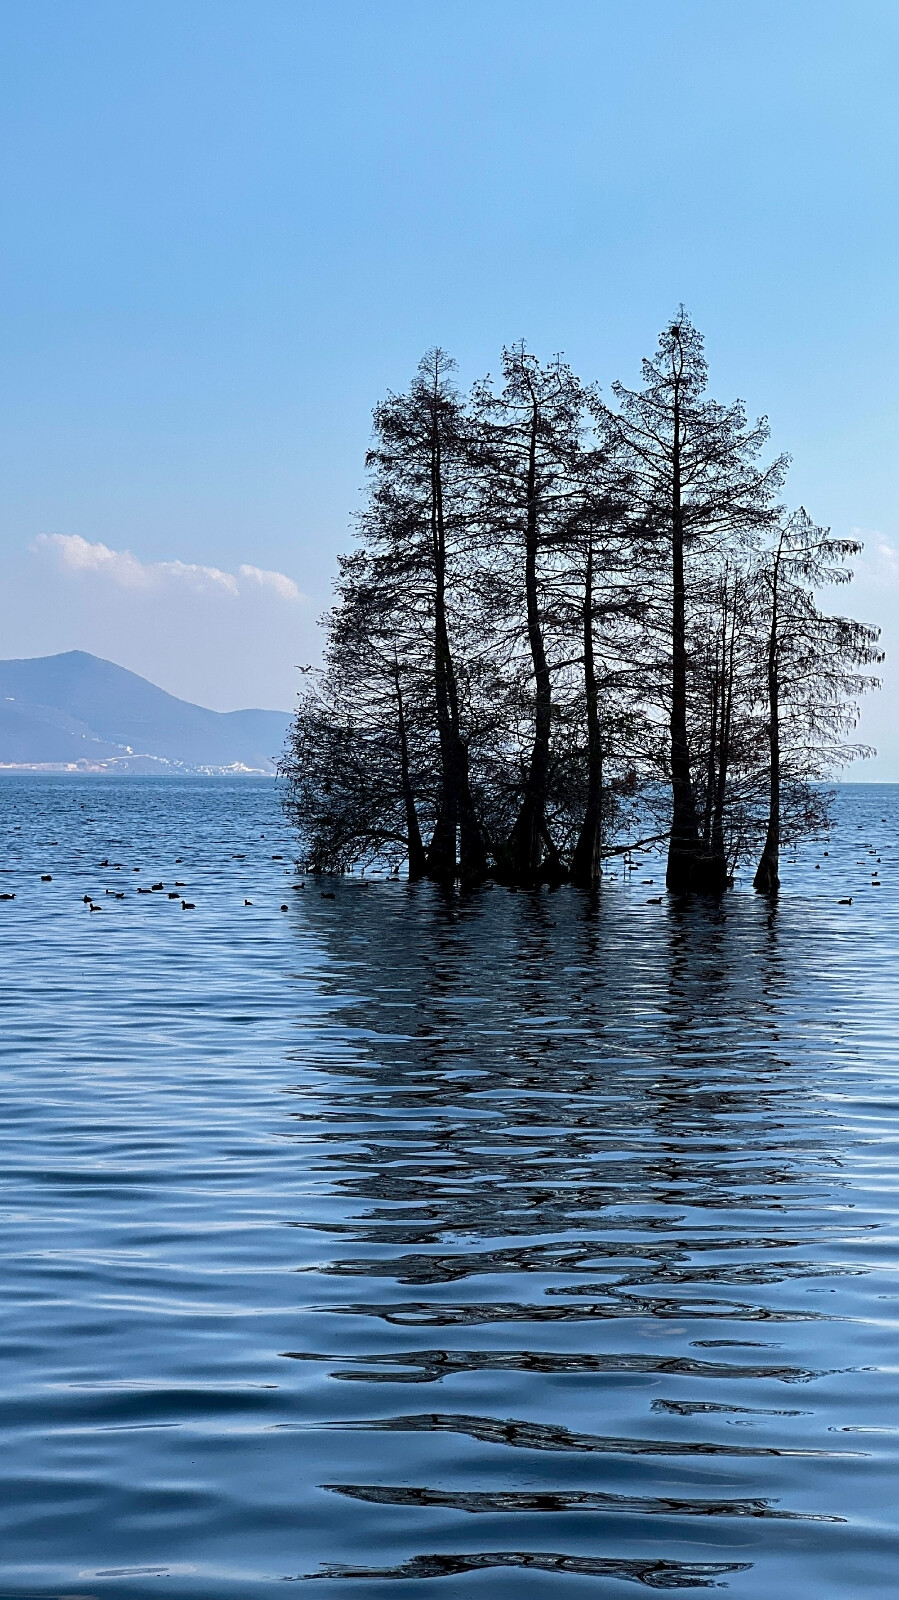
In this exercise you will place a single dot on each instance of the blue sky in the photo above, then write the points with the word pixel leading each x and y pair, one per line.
pixel 228 227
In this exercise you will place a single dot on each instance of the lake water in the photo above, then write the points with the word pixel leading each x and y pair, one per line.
pixel 511 1245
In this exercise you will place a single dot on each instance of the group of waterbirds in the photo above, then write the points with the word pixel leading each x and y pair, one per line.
pixel 121 894
pixel 157 888
pixel 630 864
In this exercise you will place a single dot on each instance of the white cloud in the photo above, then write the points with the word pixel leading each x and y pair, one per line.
pixel 278 581
pixel 126 571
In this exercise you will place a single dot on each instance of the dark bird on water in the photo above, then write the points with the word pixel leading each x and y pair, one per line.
pixel 327 895
pixel 188 905
pixel 283 908
pixel 248 902
pixel 46 877
pixel 845 902
pixel 7 897
pixel 174 895
pixel 86 899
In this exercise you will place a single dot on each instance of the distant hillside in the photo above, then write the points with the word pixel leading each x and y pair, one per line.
pixel 74 709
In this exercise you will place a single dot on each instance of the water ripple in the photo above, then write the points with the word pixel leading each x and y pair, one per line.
pixel 636 1164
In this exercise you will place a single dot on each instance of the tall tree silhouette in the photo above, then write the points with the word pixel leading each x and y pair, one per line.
pixel 417 523
pixel 530 435
pixel 694 464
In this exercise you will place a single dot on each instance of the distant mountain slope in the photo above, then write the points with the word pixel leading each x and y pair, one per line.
pixel 75 707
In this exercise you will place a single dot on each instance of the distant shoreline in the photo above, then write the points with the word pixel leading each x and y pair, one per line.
pixel 48 770
pixel 56 770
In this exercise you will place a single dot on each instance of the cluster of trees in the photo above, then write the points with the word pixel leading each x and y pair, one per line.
pixel 566 622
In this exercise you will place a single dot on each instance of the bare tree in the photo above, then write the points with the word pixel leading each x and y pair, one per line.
pixel 694 464
pixel 812 668
pixel 558 617
pixel 530 437
pixel 416 521
pixel 360 757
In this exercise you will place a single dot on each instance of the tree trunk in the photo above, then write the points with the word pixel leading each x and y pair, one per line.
pixel 456 812
pixel 524 851
pixel 718 856
pixel 418 864
pixel 767 877
pixel 684 848
pixel 586 864
pixel 690 866
pixel 710 765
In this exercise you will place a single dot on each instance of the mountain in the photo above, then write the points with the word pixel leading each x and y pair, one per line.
pixel 75 709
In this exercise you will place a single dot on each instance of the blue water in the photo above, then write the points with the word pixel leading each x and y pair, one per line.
pixel 508 1246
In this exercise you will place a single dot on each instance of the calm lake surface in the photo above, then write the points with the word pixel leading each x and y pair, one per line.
pixel 510 1245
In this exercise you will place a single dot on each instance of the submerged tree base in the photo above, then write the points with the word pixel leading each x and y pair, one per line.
pixel 696 872
pixel 766 880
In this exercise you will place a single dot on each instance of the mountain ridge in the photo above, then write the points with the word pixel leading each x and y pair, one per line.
pixel 77 711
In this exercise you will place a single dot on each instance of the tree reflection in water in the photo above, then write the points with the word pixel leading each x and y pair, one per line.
pixel 600 1149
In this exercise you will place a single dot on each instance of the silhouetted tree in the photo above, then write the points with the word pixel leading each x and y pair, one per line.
pixel 417 523
pixel 812 677
pixel 360 757
pixel 529 458
pixel 560 619
pixel 697 482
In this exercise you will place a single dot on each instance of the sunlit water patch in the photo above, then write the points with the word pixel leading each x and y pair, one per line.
pixel 507 1245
